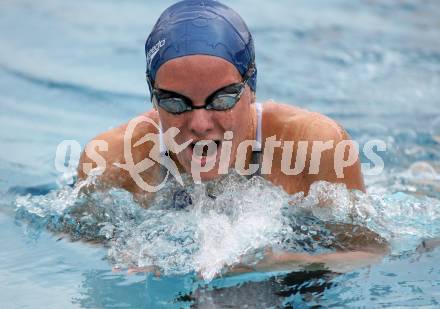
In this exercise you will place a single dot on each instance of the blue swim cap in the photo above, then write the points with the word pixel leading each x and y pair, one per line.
pixel 201 27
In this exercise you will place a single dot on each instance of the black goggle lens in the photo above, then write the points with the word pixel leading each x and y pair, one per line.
pixel 174 105
pixel 226 98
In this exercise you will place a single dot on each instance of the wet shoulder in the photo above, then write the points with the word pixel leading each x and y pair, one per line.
pixel 295 123
pixel 110 146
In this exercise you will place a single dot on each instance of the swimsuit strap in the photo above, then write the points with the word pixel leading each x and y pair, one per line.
pixel 162 147
pixel 164 154
pixel 257 152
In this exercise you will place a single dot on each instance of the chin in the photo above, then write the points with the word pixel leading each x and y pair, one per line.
pixel 211 175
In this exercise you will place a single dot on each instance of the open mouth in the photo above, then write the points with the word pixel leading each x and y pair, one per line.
pixel 205 148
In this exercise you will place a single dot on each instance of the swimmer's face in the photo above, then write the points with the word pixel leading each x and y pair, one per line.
pixel 197 77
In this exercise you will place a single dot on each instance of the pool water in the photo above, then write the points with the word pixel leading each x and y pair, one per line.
pixel 71 70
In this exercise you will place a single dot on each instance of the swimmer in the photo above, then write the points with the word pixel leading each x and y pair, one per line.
pixel 203 79
pixel 202 76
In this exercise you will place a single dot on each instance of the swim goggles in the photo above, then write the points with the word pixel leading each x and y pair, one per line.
pixel 221 100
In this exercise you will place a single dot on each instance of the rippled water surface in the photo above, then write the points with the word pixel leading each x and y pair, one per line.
pixel 71 70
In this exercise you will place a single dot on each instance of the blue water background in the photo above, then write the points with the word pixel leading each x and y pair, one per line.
pixel 69 70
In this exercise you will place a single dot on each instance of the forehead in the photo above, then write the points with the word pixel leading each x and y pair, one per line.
pixel 186 72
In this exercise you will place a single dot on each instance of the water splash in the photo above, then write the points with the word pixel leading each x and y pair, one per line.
pixel 215 231
pixel 229 221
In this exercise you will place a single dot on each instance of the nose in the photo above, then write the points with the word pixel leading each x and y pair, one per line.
pixel 200 122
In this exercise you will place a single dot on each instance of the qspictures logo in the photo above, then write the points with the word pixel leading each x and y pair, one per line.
pixel 346 153
pixel 154 156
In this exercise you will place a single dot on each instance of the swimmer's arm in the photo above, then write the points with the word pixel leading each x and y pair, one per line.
pixel 107 151
pixel 332 167
pixel 334 261
pixel 112 176
pixel 288 261
pixel 355 246
pixel 339 262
